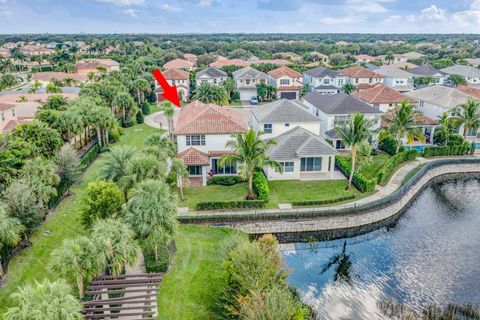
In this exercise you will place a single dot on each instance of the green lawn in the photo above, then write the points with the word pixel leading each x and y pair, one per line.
pixel 193 287
pixel 32 263
pixel 370 171
pixel 281 192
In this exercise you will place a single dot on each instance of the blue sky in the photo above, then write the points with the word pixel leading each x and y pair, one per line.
pixel 257 16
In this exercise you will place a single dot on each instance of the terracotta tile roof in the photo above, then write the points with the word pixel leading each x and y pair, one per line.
pixel 474 92
pixel 178 64
pixel 94 63
pixel 289 88
pixel 47 76
pixel 175 74
pixel 360 72
pixel 229 62
pixel 201 118
pixel 363 86
pixel 4 106
pixel 280 62
pixel 190 55
pixel 194 157
pixel 364 57
pixel 382 94
pixel 420 119
pixel 284 71
pixel 13 123
pixel 219 153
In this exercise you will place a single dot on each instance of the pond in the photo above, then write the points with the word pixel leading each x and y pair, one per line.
pixel 430 255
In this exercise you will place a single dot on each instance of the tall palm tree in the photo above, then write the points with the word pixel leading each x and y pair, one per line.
pixel 250 155
pixel 152 214
pixel 142 86
pixel 353 132
pixel 209 93
pixel 116 244
pixel 161 146
pixel 469 116
pixel 403 124
pixel 169 112
pixel 78 261
pixel 123 101
pixel 115 166
pixel 181 173
pixel 11 230
pixel 447 125
pixel 44 300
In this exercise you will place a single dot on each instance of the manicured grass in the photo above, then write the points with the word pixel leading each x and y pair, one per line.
pixel 193 287
pixel 370 171
pixel 193 195
pixel 32 263
pixel 292 190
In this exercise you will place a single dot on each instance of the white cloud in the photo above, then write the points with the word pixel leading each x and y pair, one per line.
pixel 122 2
pixel 374 6
pixel 433 13
pixel 131 13
pixel 341 20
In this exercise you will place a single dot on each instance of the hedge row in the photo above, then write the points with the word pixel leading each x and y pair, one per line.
pixel 393 162
pixel 363 184
pixel 389 145
pixel 218 205
pixel 90 155
pixel 260 186
pixel 321 202
pixel 459 150
pixel 225 180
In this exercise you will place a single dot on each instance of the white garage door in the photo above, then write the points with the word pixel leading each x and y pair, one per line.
pixel 245 95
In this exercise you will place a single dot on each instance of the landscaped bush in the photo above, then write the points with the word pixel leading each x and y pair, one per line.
pixel 322 202
pixel 472 148
pixel 161 265
pixel 458 150
pixel 225 180
pixel 260 186
pixel 140 118
pixel 389 145
pixel 393 162
pixel 363 184
pixel 90 156
pixel 219 205
pixel 146 108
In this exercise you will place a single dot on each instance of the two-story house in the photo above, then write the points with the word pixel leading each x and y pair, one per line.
pixel 438 76
pixel 361 77
pixel 471 74
pixel 396 78
pixel 337 108
pixel 383 98
pixel 177 77
pixel 202 131
pixel 179 64
pixel 246 80
pixel 287 81
pixel 324 80
pixel 211 75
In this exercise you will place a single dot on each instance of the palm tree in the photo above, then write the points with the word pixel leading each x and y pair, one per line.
pixel 115 165
pixel 209 93
pixel 142 86
pixel 123 101
pixel 161 146
pixel 116 244
pixel 446 124
pixel 152 214
pixel 403 124
pixel 229 86
pixel 306 88
pixel 169 112
pixel 11 230
pixel 179 169
pixel 469 116
pixel 250 155
pixel 348 88
pixel 353 132
pixel 78 261
pixel 44 300
pixel 389 58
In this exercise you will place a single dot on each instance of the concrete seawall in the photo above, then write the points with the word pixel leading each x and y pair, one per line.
pixel 355 220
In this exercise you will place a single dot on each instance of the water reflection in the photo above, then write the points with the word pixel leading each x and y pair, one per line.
pixel 429 256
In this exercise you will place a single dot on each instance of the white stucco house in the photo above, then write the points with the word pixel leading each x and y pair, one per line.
pixel 471 74
pixel 287 81
pixel 396 78
pixel 324 80
pixel 246 80
pixel 337 108
pixel 211 75
pixel 361 77
pixel 427 71
pixel 383 98
pixel 177 77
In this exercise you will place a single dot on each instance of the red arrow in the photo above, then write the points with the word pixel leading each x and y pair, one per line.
pixel 169 92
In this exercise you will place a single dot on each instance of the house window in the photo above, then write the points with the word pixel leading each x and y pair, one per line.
pixel 370 80
pixel 326 81
pixel 284 82
pixel 329 163
pixel 356 80
pixel 421 103
pixel 287 124
pixel 173 82
pixel 195 170
pixel 288 166
pixel 13 112
pixel 341 119
pixel 339 145
pixel 311 164
pixel 247 81
pixel 267 128
pixel 226 169
pixel 215 81
pixel 204 81
pixel 2 116
pixel 197 140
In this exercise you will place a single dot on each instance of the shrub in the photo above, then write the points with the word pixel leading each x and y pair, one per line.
pixel 457 150
pixel 260 186
pixel 114 134
pixel 140 118
pixel 472 148
pixel 90 155
pixel 322 202
pixel 389 145
pixel 161 265
pixel 393 162
pixel 146 108
pixel 363 184
pixel 225 180
pixel 219 205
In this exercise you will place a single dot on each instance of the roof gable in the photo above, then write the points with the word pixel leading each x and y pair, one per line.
pixel 382 94
pixel 339 103
pixel 283 111
pixel 284 71
pixel 360 72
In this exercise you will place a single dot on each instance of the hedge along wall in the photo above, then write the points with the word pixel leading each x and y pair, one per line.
pixel 322 202
pixel 363 184
pixel 459 150
pixel 260 187
pixel 392 163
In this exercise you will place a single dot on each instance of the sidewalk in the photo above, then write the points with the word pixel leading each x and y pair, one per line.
pixel 394 183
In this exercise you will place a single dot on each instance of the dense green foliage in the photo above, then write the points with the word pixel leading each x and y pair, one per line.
pixel 392 163
pixel 359 181
pixel 219 205
pixel 456 150
pixel 260 186
pixel 322 202
pixel 389 144
pixel 225 180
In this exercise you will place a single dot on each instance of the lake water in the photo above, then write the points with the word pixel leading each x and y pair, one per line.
pixel 430 255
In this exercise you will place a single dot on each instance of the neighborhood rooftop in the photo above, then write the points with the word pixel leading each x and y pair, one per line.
pixel 249 73
pixel 211 72
pixel 425 71
pixel 381 94
pixel 283 111
pixel 321 72
pixel 440 95
pixel 339 103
